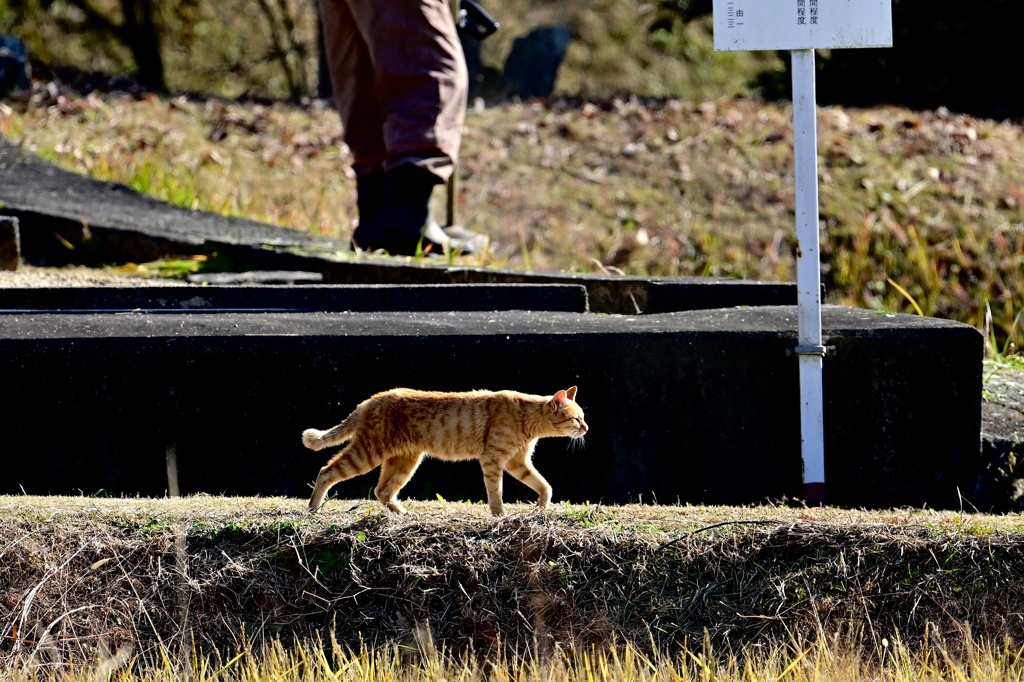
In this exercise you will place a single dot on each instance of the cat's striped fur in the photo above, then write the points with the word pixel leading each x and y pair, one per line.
pixel 396 428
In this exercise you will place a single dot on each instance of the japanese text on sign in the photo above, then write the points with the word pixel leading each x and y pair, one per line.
pixel 806 12
pixel 801 24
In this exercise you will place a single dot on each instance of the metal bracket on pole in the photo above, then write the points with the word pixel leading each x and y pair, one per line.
pixel 811 349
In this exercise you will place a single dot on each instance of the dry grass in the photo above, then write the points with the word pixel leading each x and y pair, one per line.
pixel 795 661
pixel 922 211
pixel 82 576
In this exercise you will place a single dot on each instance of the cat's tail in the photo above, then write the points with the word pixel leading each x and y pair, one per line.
pixel 318 440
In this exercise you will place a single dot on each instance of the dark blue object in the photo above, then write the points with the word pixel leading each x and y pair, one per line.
pixel 15 68
pixel 532 65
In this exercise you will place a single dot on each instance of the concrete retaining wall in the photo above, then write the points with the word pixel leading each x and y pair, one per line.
pixel 696 406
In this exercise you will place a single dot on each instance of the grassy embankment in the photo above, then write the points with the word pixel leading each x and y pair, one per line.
pixel 818 593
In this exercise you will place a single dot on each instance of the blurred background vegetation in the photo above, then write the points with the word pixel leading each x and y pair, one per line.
pixel 945 54
pixel 234 48
pixel 671 164
pixel 270 48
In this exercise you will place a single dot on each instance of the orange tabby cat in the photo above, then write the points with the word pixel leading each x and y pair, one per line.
pixel 396 428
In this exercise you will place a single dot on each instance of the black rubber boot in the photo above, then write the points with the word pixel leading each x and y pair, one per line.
pixel 402 224
pixel 369 198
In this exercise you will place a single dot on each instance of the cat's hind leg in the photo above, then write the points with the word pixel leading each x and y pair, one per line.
pixel 394 474
pixel 523 470
pixel 493 472
pixel 354 460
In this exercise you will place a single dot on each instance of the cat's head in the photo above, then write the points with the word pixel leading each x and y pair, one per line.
pixel 566 415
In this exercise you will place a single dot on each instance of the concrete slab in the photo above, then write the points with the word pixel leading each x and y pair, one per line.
pixel 696 406
pixel 1001 483
pixel 620 295
pixel 59 209
pixel 297 299
pixel 668 296
pixel 257 277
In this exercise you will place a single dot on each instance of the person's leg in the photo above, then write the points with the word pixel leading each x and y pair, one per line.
pixel 354 85
pixel 400 83
pixel 355 98
pixel 421 80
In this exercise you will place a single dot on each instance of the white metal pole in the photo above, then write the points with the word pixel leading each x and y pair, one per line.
pixel 808 277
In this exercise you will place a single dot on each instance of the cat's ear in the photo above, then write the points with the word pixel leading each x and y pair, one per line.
pixel 571 393
pixel 558 400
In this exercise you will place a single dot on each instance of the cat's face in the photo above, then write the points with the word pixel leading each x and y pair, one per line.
pixel 567 416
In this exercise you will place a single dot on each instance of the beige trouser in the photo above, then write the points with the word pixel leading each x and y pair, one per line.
pixel 400 82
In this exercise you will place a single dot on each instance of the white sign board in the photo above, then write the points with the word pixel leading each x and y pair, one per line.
pixel 802 24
